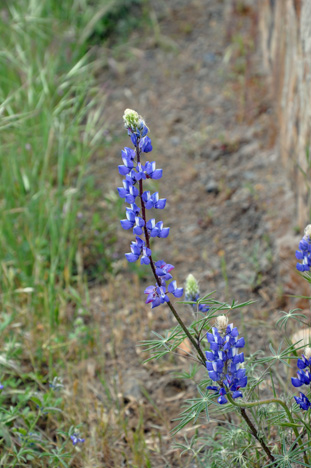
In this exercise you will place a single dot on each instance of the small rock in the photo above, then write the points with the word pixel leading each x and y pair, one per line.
pixel 215 154
pixel 175 140
pixel 209 58
pixel 249 150
pixel 133 380
pixel 212 187
pixel 242 197
pixel 250 175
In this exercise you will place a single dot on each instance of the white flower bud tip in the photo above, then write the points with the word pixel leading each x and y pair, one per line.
pixel 133 120
pixel 221 323
pixel 308 231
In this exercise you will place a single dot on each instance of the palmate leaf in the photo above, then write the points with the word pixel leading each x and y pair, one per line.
pixel 279 355
pixel 163 344
pixel 291 315
pixel 189 445
pixel 158 347
pixel 194 408
pixel 224 305
pixel 290 456
pixel 191 374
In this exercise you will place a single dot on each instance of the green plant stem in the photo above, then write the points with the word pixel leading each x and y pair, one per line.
pixel 301 436
pixel 169 304
pixel 267 402
pixel 191 338
pixel 256 435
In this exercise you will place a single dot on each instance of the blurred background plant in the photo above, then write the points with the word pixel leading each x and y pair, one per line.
pixel 52 122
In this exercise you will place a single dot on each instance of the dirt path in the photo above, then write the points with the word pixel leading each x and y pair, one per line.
pixel 228 201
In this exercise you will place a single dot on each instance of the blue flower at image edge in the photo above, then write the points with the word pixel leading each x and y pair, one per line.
pixel 303 378
pixel 304 252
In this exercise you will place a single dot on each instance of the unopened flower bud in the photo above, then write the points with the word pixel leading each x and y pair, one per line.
pixel 192 288
pixel 221 323
pixel 133 120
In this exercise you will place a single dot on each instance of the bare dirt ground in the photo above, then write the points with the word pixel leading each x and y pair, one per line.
pixel 196 79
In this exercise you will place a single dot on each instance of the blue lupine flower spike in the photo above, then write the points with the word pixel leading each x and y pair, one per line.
pixel 224 363
pixel 303 378
pixel 135 173
pixel 304 252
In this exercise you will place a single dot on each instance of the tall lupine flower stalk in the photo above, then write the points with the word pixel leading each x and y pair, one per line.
pixel 223 362
pixel 136 172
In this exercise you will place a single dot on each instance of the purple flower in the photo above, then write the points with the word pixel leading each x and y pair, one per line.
pixel 144 171
pixel 157 295
pixel 145 145
pixel 128 156
pixel 163 270
pixel 133 221
pixel 153 201
pixel 303 401
pixel 151 171
pixel 145 259
pixel 157 229
pixel 222 400
pixel 128 191
pixel 75 439
pixel 137 248
pixel 303 377
pixel 304 252
pixel 130 221
pixel 134 137
pixel 223 361
pixel 172 288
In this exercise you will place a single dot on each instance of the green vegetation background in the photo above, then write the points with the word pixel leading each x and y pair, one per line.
pixel 52 120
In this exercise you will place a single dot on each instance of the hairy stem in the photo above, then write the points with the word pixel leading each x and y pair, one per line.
pixel 256 435
pixel 169 304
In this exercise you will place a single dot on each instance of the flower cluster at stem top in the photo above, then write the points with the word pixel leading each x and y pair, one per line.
pixel 135 173
pixel 303 378
pixel 304 252
pixel 224 363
